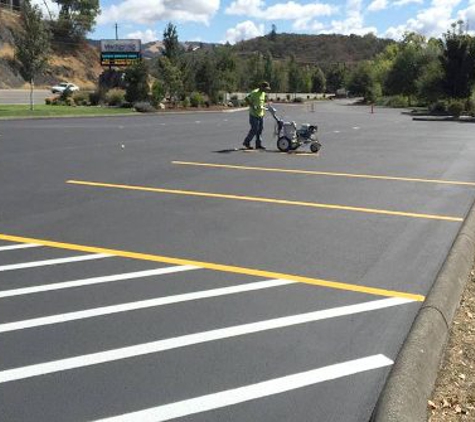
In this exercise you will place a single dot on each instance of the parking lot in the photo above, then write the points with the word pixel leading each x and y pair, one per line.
pixel 150 272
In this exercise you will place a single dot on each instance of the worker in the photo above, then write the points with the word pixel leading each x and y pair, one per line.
pixel 256 100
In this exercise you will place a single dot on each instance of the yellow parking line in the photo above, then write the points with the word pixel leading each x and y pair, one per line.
pixel 325 173
pixel 216 267
pixel 267 200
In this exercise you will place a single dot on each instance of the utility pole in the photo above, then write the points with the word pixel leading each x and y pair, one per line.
pixel 116 31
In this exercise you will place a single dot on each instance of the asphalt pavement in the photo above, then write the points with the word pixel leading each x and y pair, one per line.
pixel 149 271
pixel 22 96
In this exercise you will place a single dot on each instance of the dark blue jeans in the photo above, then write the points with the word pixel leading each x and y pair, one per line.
pixel 257 126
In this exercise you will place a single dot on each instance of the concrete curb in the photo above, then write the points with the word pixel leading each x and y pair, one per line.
pixel 411 381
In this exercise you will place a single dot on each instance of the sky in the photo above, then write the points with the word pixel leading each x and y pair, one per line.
pixel 221 21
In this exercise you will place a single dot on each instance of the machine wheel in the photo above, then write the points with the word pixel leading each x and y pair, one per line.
pixel 284 144
pixel 294 145
pixel 315 147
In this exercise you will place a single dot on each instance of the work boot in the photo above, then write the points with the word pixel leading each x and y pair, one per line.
pixel 261 147
pixel 246 145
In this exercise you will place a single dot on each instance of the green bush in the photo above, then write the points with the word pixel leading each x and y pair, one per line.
pixel 96 97
pixel 397 101
pixel 470 106
pixel 158 93
pixel 115 97
pixel 298 100
pixel 196 99
pixel 144 107
pixel 439 107
pixel 81 98
pixel 49 101
pixel 456 107
pixel 186 102
pixel 235 101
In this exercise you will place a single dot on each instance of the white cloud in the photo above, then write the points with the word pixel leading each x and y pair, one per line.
pixel 146 36
pixel 401 3
pixel 151 11
pixel 378 5
pixel 281 11
pixel 244 31
pixel 352 24
pixel 431 22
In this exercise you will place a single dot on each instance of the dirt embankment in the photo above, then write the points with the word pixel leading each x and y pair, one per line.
pixel 74 63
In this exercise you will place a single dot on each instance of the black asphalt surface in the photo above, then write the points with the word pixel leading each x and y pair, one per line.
pixel 390 252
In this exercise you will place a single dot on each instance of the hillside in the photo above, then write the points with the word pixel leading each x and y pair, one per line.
pixel 80 65
pixel 316 49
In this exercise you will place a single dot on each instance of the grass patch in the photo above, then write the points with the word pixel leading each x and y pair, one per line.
pixel 55 111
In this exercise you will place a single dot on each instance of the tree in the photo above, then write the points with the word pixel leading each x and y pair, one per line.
pixel 318 81
pixel 171 77
pixel 458 62
pixel 362 81
pixel 408 66
pixel 76 17
pixel 273 33
pixel 336 77
pixel 136 77
pixel 295 75
pixel 171 44
pixel 32 45
pixel 268 67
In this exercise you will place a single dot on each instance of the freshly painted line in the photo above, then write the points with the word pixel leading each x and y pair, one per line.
pixel 253 391
pixel 325 173
pixel 217 267
pixel 267 200
pixel 113 355
pixel 57 261
pixel 94 280
pixel 14 247
pixel 143 304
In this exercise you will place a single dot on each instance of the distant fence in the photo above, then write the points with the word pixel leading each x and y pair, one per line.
pixel 279 96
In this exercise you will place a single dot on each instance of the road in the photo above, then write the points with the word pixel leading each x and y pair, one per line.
pixel 22 96
pixel 150 272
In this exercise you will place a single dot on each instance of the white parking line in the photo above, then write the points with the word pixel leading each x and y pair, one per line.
pixel 253 391
pixel 53 262
pixel 191 339
pixel 94 280
pixel 21 246
pixel 143 304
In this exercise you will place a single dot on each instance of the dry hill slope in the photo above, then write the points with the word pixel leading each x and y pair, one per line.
pixel 77 64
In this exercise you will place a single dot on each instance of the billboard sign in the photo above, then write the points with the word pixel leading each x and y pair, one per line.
pixel 120 52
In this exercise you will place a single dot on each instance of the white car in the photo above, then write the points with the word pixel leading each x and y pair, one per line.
pixel 63 86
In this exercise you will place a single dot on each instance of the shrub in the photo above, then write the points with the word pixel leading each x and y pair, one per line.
pixel 115 97
pixel 126 104
pixel 144 107
pixel 298 100
pixel 196 99
pixel 158 93
pixel 456 107
pixel 235 101
pixel 186 102
pixel 398 101
pixel 470 107
pixel 96 97
pixel 49 101
pixel 439 107
pixel 81 98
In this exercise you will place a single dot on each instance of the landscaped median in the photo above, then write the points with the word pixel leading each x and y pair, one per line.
pixel 14 111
